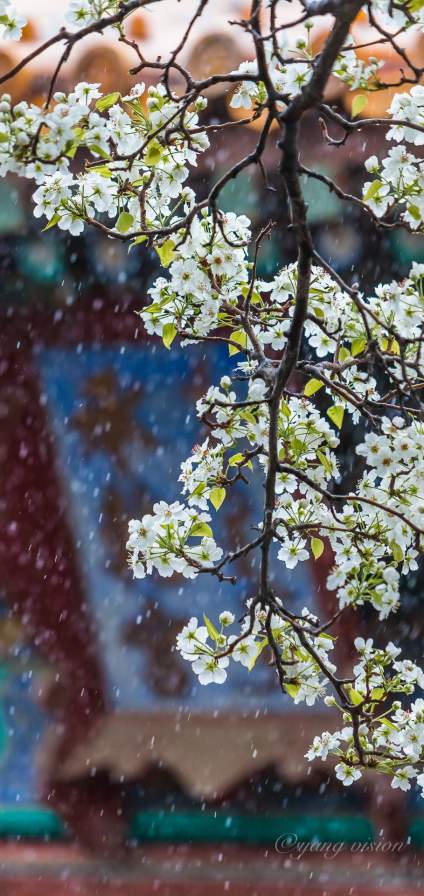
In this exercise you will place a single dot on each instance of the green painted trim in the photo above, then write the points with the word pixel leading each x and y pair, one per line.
pixel 416 832
pixel 31 822
pixel 207 827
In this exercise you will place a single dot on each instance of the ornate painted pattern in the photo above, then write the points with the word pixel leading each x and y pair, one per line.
pixel 123 422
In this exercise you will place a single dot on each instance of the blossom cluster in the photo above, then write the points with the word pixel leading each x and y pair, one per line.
pixel 135 180
pixel 398 183
pixel 206 271
pixel 210 650
pixel 84 12
pixel 394 16
pixel 290 66
pixel 11 22
pixel 174 538
pixel 373 536
pixel 389 738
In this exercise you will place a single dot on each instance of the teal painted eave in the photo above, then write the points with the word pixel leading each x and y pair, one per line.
pixel 416 832
pixel 31 822
pixel 209 826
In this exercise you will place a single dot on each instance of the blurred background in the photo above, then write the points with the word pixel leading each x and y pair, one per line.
pixel 118 772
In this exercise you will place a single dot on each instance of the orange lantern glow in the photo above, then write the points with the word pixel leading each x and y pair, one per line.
pixel 104 65
pixel 137 27
pixel 30 31
pixel 213 54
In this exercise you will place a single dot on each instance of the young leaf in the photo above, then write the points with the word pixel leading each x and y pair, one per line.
pixel 200 530
pixel 124 222
pixel 240 337
pixel 235 459
pixel 168 335
pixel 99 151
pixel 336 414
pixel 343 354
pixel 324 461
pixel 372 190
pixel 153 153
pixel 355 697
pixel 312 386
pixel 414 211
pixel 377 693
pixel 105 102
pixel 103 170
pixel 260 647
pixel 52 222
pixel 292 689
pixel 359 103
pixel 358 346
pixel 212 631
pixel 317 547
pixel 166 252
pixel 216 497
pixel 396 551
pixel 388 724
pixel 136 242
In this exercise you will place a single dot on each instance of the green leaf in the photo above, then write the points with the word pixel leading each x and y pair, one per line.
pixel 414 212
pixel 53 221
pixel 105 102
pixel 4 138
pixel 396 551
pixel 377 693
pixel 200 530
pixel 235 459
pixel 390 345
pixel 168 334
pixel 240 337
pixel 103 170
pixel 212 631
pixel 261 646
pixel 312 386
pixel 255 297
pixel 317 547
pixel 71 150
pixel 166 252
pixel 217 496
pixel 153 153
pixel 343 354
pixel 248 416
pixel 98 150
pixel 336 414
pixel 137 241
pixel 124 222
pixel 373 189
pixel 324 461
pixel 388 724
pixel 358 346
pixel 355 697
pixel 292 689
pixel 359 103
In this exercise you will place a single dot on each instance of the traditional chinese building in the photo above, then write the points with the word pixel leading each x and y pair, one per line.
pixel 105 738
